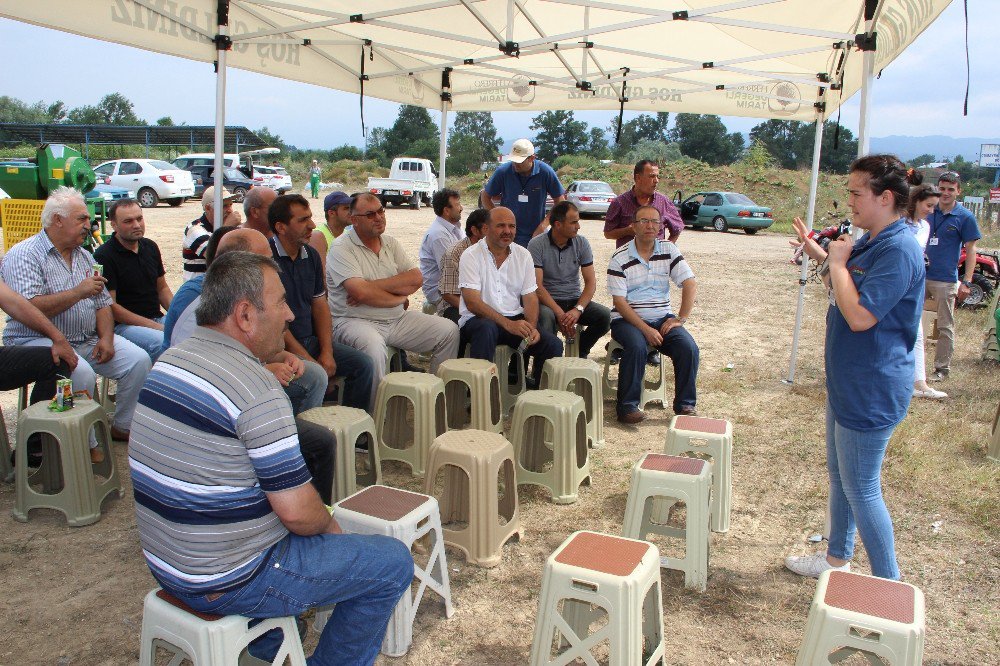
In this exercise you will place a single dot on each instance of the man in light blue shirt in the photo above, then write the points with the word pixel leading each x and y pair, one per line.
pixel 445 231
pixel 522 184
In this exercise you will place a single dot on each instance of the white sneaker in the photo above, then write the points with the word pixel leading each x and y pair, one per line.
pixel 933 394
pixel 812 565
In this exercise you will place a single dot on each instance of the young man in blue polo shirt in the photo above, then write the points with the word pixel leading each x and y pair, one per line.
pixel 310 335
pixel 522 184
pixel 952 225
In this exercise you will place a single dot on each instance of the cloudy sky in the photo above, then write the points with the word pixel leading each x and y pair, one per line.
pixel 921 93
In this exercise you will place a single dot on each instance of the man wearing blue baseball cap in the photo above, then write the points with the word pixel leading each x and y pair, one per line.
pixel 337 211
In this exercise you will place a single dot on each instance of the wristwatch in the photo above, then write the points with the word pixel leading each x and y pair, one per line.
pixel 682 320
pixel 967 283
pixel 579 307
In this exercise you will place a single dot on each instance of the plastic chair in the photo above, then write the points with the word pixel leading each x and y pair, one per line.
pixel 474 463
pixel 592 575
pixel 655 477
pixel 425 393
pixel 851 613
pixel 350 427
pixel 549 434
pixel 407 517
pixel 6 471
pixel 707 437
pixel 207 639
pixel 66 475
pixel 472 394
pixel 652 390
pixel 582 377
pixel 510 390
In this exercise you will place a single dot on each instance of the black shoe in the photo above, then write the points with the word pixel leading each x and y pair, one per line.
pixel 530 383
pixel 653 358
pixel 616 356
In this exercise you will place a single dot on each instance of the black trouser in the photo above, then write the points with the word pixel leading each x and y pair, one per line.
pixel 594 322
pixel 318 446
pixel 20 366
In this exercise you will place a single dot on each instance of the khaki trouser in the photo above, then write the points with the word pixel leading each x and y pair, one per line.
pixel 944 293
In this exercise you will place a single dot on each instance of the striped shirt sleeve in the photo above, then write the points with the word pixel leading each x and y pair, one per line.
pixel 272 442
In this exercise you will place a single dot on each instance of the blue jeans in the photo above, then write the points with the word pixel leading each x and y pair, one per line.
pixel 854 461
pixel 483 336
pixel 677 344
pixel 354 366
pixel 149 339
pixel 307 391
pixel 594 322
pixel 364 575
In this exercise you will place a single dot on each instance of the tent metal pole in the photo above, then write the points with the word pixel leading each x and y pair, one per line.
pixel 810 217
pixel 222 44
pixel 443 148
pixel 864 124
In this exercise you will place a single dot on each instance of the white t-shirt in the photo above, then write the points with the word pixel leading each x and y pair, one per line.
pixel 500 288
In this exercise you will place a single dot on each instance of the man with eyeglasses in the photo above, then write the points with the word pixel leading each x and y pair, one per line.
pixel 53 271
pixel 522 183
pixel 369 278
pixel 952 226
pixel 639 277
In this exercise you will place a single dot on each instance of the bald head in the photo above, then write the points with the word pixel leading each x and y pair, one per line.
pixel 244 240
pixel 501 228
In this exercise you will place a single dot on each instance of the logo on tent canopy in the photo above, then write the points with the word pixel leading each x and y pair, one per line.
pixel 791 98
pixel 412 86
pixel 519 92
pixel 516 90
pixel 766 95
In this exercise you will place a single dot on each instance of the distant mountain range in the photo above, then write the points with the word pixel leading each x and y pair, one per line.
pixel 941 147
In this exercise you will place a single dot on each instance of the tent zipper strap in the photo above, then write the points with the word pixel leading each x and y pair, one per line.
pixel 621 104
pixel 361 80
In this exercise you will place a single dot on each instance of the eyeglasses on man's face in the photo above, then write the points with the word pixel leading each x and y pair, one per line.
pixel 371 215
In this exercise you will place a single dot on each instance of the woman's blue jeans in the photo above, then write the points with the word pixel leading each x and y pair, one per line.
pixel 854 461
pixel 364 575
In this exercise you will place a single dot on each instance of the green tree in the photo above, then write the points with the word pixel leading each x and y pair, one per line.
pixel 660 152
pixel 704 137
pixel 271 139
pixel 558 133
pixel 598 146
pixel 923 160
pixel 113 109
pixel 165 121
pixel 13 110
pixel 644 127
pixel 465 154
pixel 780 139
pixel 346 152
pixel 472 141
pixel 411 134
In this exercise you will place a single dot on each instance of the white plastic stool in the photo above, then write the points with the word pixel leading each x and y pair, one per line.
pixel 425 393
pixel 508 390
pixel 207 639
pixel 471 386
pixel 855 613
pixel 652 391
pixel 687 480
pixel 713 437
pixel 6 471
pixel 582 377
pixel 622 577
pixel 407 517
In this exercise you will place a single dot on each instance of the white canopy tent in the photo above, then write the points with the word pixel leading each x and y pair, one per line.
pixel 787 59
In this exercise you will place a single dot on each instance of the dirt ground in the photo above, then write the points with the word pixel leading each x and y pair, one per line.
pixel 74 595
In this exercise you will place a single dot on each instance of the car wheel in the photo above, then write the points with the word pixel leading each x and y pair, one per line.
pixel 238 194
pixel 175 202
pixel 719 223
pixel 979 291
pixel 750 231
pixel 415 201
pixel 147 198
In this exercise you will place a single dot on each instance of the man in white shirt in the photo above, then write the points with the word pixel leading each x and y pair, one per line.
pixel 499 304
pixel 445 231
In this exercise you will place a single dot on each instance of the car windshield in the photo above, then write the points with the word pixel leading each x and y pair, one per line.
pixel 595 187
pixel 280 171
pixel 739 199
pixel 235 174
pixel 161 165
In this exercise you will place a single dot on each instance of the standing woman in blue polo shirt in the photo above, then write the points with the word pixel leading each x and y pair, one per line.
pixel 876 289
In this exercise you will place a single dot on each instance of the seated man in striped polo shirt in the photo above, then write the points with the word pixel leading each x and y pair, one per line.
pixel 639 277
pixel 228 520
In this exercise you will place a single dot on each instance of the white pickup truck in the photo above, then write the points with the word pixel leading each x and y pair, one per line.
pixel 411 180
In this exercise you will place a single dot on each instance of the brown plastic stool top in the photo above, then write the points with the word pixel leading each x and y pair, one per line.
pixel 382 502
pixel 600 552
pixel 659 462
pixel 174 601
pixel 877 597
pixel 701 424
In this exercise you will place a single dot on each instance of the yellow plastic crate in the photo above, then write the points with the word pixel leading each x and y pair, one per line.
pixel 20 218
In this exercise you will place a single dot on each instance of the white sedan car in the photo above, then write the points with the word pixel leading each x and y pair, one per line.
pixel 151 180
pixel 592 197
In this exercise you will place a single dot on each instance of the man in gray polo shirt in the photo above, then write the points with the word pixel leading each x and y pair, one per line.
pixel 561 256
pixel 368 279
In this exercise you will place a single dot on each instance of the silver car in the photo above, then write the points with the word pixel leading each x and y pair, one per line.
pixel 592 197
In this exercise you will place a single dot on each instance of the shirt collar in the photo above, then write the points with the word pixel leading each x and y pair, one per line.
pixel 652 201
pixel 211 335
pixel 633 251
pixel 280 249
pixel 569 243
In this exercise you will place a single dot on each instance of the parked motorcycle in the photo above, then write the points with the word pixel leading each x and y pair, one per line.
pixel 985 280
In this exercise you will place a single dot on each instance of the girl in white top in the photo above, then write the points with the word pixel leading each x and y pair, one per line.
pixel 923 198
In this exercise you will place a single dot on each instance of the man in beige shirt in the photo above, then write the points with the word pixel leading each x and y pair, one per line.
pixel 369 277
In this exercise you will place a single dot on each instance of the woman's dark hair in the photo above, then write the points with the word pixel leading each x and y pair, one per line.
pixel 918 194
pixel 885 172
pixel 914 177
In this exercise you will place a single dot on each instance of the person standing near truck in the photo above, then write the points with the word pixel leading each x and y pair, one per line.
pixel 314 174
pixel 522 184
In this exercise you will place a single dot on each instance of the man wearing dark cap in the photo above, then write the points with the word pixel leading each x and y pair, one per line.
pixel 337 211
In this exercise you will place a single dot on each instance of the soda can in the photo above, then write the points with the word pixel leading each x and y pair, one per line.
pixel 64 394
pixel 98 270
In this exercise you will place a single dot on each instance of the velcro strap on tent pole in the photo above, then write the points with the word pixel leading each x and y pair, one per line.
pixel 361 79
pixel 621 106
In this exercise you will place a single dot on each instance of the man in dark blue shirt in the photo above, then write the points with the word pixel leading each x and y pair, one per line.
pixel 522 184
pixel 952 226
pixel 310 335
